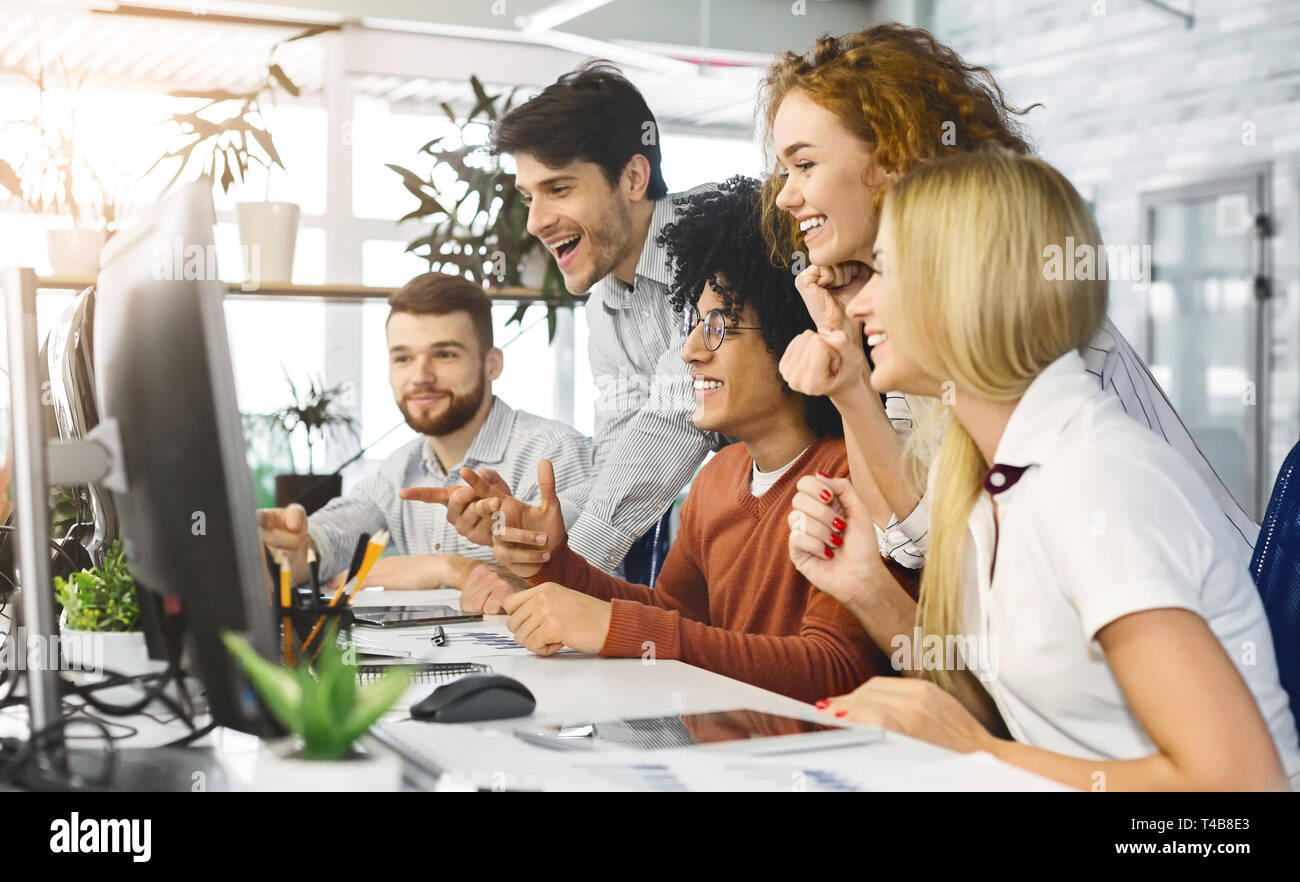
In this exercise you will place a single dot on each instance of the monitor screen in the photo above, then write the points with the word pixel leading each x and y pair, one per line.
pixel 163 374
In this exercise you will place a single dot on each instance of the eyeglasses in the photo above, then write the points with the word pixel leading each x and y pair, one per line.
pixel 713 328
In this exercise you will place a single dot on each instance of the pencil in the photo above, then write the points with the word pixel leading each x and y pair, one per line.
pixel 286 603
pixel 374 548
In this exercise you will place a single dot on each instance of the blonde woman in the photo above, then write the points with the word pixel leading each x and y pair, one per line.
pixel 843 120
pixel 1080 568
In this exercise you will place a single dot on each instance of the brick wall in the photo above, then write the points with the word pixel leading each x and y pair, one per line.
pixel 1136 101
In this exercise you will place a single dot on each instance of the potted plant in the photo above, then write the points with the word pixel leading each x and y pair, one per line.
pixel 317 411
pixel 99 628
pixel 479 224
pixel 325 712
pixel 57 179
pixel 226 136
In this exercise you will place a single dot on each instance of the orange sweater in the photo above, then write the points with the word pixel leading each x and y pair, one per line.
pixel 728 599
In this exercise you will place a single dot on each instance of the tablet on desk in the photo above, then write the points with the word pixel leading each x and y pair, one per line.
pixel 746 730
pixel 411 616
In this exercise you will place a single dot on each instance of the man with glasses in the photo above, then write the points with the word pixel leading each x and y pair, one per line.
pixel 728 599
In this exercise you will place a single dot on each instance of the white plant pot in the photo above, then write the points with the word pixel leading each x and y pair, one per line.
pixel 280 769
pixel 268 232
pixel 74 252
pixel 88 654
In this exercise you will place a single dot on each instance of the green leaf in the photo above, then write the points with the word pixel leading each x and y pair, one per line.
pixel 213 96
pixel 320 737
pixel 264 139
pixel 227 175
pixel 518 315
pixel 9 179
pixel 310 32
pixel 373 701
pixel 280 689
pixel 484 103
pixel 283 79
pixel 337 680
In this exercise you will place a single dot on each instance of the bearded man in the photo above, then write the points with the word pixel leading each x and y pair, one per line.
pixel 441 364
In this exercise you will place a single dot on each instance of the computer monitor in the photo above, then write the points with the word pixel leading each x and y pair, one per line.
pixel 163 372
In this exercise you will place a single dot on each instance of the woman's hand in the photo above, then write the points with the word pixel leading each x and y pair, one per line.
pixel 833 541
pixel 824 362
pixel 912 707
pixel 827 290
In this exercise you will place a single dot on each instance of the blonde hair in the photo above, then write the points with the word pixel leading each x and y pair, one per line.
pixel 976 306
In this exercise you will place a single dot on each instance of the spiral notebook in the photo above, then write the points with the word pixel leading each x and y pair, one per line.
pixel 425 672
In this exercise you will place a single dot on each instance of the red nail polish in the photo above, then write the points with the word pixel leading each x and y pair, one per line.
pixel 836 540
pixel 829 553
pixel 822 474
pixel 839 524
pixel 823 704
pixel 841 713
pixel 826 496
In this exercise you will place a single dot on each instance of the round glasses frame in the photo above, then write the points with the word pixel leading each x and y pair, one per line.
pixel 713 327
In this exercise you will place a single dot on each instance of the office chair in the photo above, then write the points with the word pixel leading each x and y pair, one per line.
pixel 1275 567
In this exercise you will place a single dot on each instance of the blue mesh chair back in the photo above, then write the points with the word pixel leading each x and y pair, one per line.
pixel 1275 567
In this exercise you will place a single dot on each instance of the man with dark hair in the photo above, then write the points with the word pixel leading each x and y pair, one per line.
pixel 587 156
pixel 441 364
pixel 729 599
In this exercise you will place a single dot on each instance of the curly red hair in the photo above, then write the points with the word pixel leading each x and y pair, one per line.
pixel 896 88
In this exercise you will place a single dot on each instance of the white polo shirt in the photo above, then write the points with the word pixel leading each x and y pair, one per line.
pixel 1099 518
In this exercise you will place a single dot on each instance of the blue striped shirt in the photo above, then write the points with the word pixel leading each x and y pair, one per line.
pixel 646 446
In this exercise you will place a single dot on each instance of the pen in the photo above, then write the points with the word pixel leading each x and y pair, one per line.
pixel 272 564
pixel 358 555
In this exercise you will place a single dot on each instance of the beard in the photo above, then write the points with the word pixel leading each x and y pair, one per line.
pixel 606 242
pixel 460 410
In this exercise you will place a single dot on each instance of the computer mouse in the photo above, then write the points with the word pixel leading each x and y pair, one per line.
pixel 475 697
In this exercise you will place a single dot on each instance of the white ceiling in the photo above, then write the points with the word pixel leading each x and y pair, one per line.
pixel 697 61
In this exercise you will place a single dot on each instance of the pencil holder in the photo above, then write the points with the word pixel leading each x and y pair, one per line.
pixel 309 625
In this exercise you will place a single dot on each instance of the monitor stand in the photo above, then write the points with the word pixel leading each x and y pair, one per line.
pixel 136 769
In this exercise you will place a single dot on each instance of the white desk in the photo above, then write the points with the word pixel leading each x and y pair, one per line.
pixel 573 687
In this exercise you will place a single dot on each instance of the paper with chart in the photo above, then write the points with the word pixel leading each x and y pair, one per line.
pixel 479 639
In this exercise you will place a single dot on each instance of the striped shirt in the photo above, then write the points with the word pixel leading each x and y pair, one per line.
pixel 1111 360
pixel 510 441
pixel 646 446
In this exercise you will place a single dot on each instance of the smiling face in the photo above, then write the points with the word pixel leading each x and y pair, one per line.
pixel 584 222
pixel 830 176
pixel 737 388
pixel 440 379
pixel 877 306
